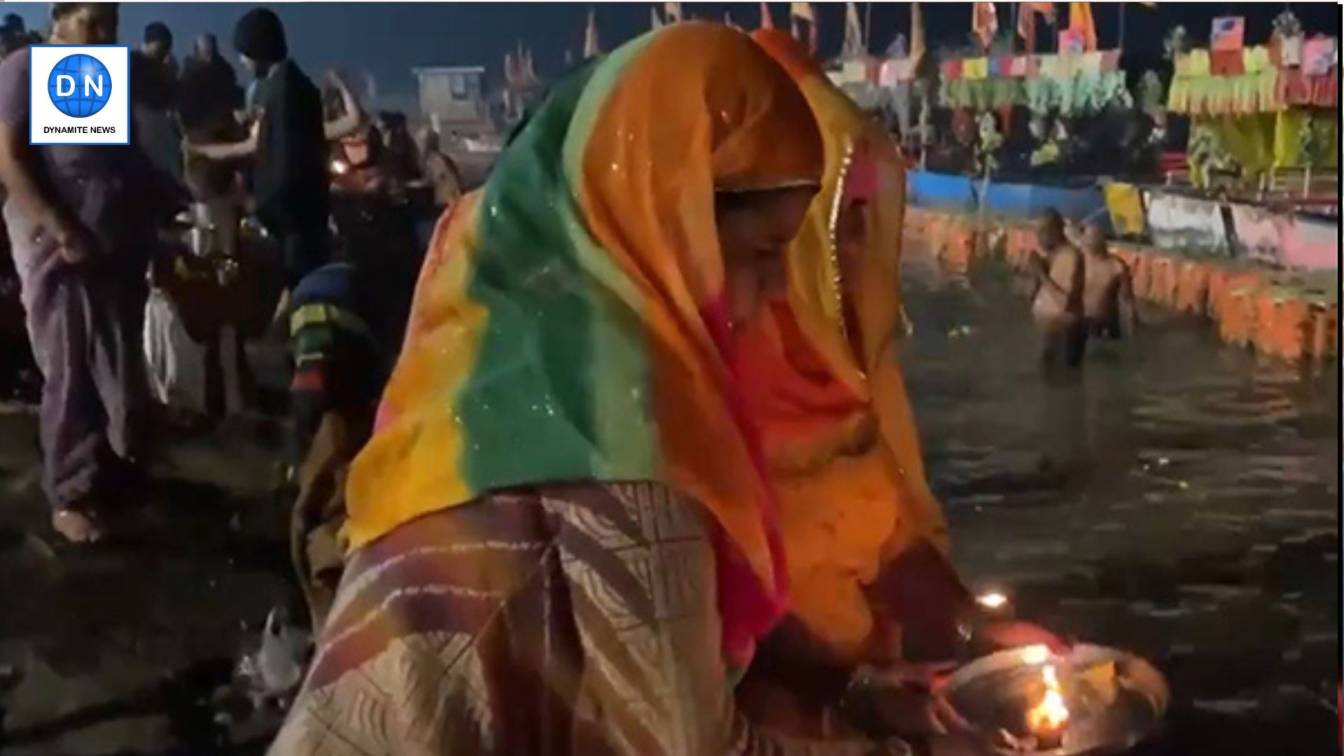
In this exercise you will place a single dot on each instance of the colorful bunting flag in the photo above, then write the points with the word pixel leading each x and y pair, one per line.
pixel 1072 42
pixel 1229 33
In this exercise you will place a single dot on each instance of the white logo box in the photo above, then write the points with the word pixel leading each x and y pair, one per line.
pixel 109 126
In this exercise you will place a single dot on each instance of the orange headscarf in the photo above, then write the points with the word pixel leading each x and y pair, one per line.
pixel 828 393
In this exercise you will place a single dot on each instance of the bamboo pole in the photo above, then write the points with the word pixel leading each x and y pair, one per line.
pixel 868 29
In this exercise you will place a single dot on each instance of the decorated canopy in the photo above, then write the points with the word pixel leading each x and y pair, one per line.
pixel 1260 79
pixel 1073 84
pixel 1268 106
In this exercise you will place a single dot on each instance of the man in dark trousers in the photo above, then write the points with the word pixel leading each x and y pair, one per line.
pixel 289 179
pixel 82 222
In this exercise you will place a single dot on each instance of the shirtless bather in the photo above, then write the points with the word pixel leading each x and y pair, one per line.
pixel 1058 304
pixel 1108 295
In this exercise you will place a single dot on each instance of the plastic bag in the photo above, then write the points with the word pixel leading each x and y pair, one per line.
pixel 176 363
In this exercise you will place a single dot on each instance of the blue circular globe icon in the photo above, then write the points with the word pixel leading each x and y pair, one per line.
pixel 79 85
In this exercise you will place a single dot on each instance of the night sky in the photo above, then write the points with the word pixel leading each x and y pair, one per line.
pixel 387 39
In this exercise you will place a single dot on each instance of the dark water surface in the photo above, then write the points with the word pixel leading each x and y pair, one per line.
pixel 1181 501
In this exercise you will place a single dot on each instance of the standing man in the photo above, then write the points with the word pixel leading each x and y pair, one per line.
pixel 290 176
pixel 209 94
pixel 154 99
pixel 81 224
pixel 208 98
pixel 157 46
pixel 1108 294
pixel 1058 304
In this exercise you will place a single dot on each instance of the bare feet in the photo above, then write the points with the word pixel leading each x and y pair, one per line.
pixel 76 526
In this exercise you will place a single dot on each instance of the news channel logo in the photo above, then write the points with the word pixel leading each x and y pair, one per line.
pixel 79 94
pixel 79 85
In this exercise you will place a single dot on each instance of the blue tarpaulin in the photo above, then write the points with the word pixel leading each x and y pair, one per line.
pixel 949 192
pixel 940 191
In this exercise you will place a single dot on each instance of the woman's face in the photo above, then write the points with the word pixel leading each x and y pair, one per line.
pixel 754 230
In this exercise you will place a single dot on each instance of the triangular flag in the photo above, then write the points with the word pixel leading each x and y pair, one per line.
pixel 591 46
pixel 853 32
pixel 802 11
pixel 655 22
pixel 766 21
pixel 916 33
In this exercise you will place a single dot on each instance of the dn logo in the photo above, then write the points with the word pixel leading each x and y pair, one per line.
pixel 79 85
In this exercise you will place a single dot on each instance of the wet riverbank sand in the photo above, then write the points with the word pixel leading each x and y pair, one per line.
pixel 1182 506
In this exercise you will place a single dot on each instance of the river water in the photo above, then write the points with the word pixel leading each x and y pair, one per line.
pixel 1179 500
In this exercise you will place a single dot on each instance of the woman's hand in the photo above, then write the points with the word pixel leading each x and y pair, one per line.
pixel 904 699
pixel 72 242
pixel 914 712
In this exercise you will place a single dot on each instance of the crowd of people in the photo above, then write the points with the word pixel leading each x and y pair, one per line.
pixel 86 224
pixel 633 471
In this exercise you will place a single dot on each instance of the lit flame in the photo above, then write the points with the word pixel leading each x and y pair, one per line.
pixel 339 167
pixel 992 601
pixel 1050 715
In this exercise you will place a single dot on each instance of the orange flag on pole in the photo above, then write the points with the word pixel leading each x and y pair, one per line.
pixel 1026 21
pixel 1080 21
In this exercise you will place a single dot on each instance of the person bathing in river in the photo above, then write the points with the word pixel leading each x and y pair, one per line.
pixel 872 586
pixel 564 539
pixel 1108 292
pixel 1057 306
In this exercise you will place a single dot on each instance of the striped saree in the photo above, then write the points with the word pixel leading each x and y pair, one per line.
pixel 558 620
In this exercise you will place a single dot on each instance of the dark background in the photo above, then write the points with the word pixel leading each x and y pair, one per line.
pixel 387 39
